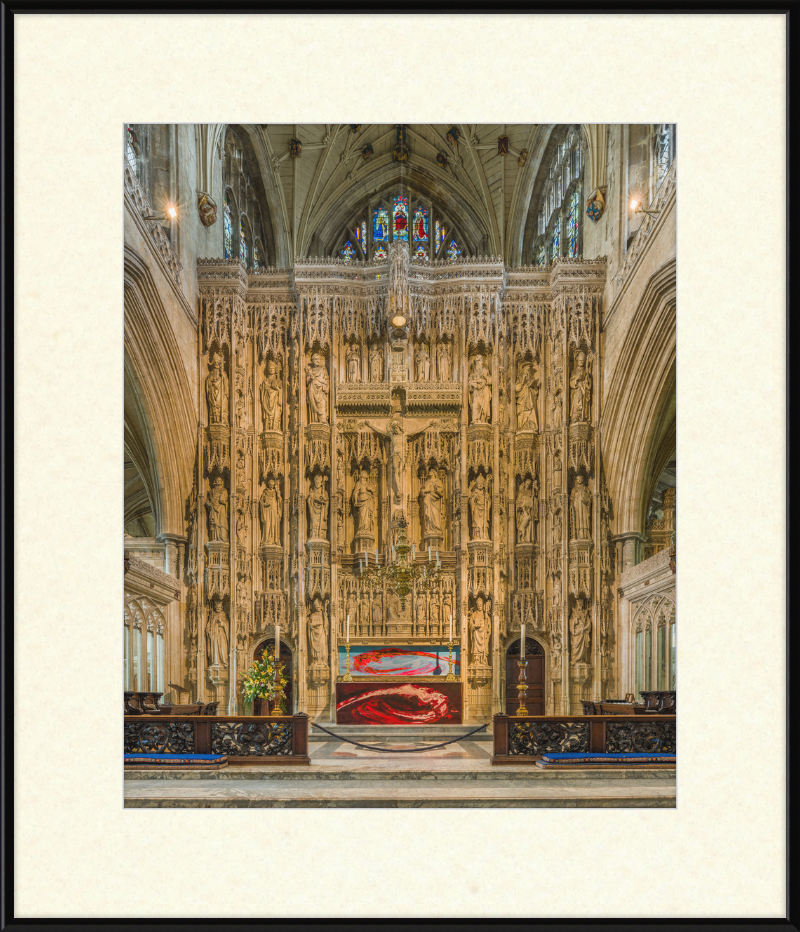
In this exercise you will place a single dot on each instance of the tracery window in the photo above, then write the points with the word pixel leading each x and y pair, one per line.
pixel 228 228
pixel 654 645
pixel 400 217
pixel 257 253
pixel 559 220
pixel 664 150
pixel 144 628
pixel 130 150
pixel 243 244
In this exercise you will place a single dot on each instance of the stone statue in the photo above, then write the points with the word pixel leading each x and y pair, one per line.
pixel 580 383
pixel 217 506
pixel 432 502
pixel 377 616
pixel 527 398
pixel 318 632
pixel 362 501
pixel 479 634
pixel 420 606
pixel 480 393
pixel 241 526
pixel 217 636
pixel 534 508
pixel 217 392
pixel 376 363
pixel 423 362
pixel 580 630
pixel 317 387
pixel 364 613
pixel 480 497
pixel 445 362
pixel 581 503
pixel 436 620
pixel 353 363
pixel 317 510
pixel 271 398
pixel 525 513
pixel 351 609
pixel 270 509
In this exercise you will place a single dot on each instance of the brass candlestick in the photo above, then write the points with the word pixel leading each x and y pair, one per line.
pixel 522 687
pixel 347 678
pixel 450 678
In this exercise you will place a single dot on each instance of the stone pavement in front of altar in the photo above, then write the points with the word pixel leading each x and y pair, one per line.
pixel 343 776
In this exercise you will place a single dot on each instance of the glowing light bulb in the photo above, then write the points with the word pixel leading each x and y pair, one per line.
pixel 634 205
pixel 172 212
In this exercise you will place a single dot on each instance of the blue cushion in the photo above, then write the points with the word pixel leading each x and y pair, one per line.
pixel 560 757
pixel 175 758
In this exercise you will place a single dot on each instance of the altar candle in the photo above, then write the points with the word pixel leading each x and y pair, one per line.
pixel 522 642
pixel 347 635
pixel 429 553
pixel 277 641
pixel 413 554
pixel 451 627
pixel 376 556
pixel 360 565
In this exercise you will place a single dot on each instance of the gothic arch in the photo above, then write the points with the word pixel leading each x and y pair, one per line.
pixel 639 418
pixel 159 409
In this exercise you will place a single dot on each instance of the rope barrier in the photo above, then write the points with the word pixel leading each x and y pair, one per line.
pixel 432 747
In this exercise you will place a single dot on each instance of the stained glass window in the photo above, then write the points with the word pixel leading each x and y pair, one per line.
pixel 349 251
pixel 361 236
pixel 420 252
pixel 228 227
pixel 573 220
pixel 421 226
pixel 665 149
pixel 555 242
pixel 380 225
pixel 440 235
pixel 453 250
pixel 380 251
pixel 541 256
pixel 256 256
pixel 130 151
pixel 242 241
pixel 400 217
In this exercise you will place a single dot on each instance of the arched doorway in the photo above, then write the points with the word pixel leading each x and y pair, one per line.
pixel 534 701
pixel 286 660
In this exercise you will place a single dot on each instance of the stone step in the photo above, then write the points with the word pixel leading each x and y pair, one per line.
pixel 381 770
pixel 271 793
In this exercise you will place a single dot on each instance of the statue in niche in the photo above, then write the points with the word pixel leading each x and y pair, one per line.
pixel 376 363
pixel 362 501
pixel 318 632
pixel 377 615
pixel 363 615
pixel 436 622
pixel 271 398
pixel 240 468
pixel 557 527
pixel 445 367
pixel 432 502
pixel 525 513
pixel 270 509
pixel 421 614
pixel 398 459
pixel 340 518
pixel 351 608
pixel 527 388
pixel 580 630
pixel 317 387
pixel 479 634
pixel 480 392
pixel 217 507
pixel 394 611
pixel 241 526
pixel 423 362
pixel 480 497
pixel 217 635
pixel 447 611
pixel 580 383
pixel 581 502
pixel 217 392
pixel 534 508
pixel 353 357
pixel 557 469
pixel 317 510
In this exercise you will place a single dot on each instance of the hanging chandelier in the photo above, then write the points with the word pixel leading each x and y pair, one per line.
pixel 400 576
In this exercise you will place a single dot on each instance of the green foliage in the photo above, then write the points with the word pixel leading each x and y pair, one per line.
pixel 264 680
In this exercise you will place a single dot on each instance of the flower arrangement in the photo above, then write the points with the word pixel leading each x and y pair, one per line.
pixel 264 680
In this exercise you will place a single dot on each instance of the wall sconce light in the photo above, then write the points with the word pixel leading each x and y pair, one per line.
pixel 172 214
pixel 637 208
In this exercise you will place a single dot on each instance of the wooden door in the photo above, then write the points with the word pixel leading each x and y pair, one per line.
pixel 534 702
pixel 286 660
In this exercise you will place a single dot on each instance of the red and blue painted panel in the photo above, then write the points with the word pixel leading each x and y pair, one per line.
pixel 398 704
pixel 399 661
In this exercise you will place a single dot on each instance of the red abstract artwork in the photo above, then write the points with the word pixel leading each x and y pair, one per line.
pixel 398 704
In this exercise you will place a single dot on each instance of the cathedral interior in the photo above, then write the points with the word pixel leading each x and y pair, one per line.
pixel 345 341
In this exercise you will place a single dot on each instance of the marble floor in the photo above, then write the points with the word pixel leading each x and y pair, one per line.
pixel 341 775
